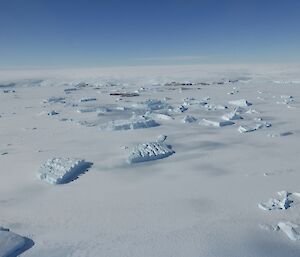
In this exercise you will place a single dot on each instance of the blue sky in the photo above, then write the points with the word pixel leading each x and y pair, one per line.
pixel 90 33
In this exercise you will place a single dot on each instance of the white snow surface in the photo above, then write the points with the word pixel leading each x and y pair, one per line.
pixel 200 201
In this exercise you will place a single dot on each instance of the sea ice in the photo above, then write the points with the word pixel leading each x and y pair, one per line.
pixel 149 152
pixel 62 170
pixel 240 103
pixel 10 243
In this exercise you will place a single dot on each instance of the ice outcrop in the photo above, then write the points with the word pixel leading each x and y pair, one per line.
pixel 292 230
pixel 133 123
pixel 240 103
pixel 150 151
pixel 62 170
pixel 277 204
pixel 210 123
pixel 10 243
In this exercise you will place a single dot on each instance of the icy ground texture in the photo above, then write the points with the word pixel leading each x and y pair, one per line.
pixel 149 152
pixel 61 170
pixel 10 243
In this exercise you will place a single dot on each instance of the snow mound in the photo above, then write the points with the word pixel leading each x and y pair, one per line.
pixel 210 123
pixel 10 243
pixel 62 170
pixel 149 152
pixel 133 123
pixel 292 230
pixel 240 103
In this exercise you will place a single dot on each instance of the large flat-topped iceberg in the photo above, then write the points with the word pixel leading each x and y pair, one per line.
pixel 133 123
pixel 62 170
pixel 149 152
pixel 240 103
pixel 10 243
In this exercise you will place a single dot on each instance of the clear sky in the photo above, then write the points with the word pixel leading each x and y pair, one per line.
pixel 90 33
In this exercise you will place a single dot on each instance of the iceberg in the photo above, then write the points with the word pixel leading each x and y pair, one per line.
pixel 210 123
pixel 62 170
pixel 10 243
pixel 149 152
pixel 133 123
pixel 240 103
